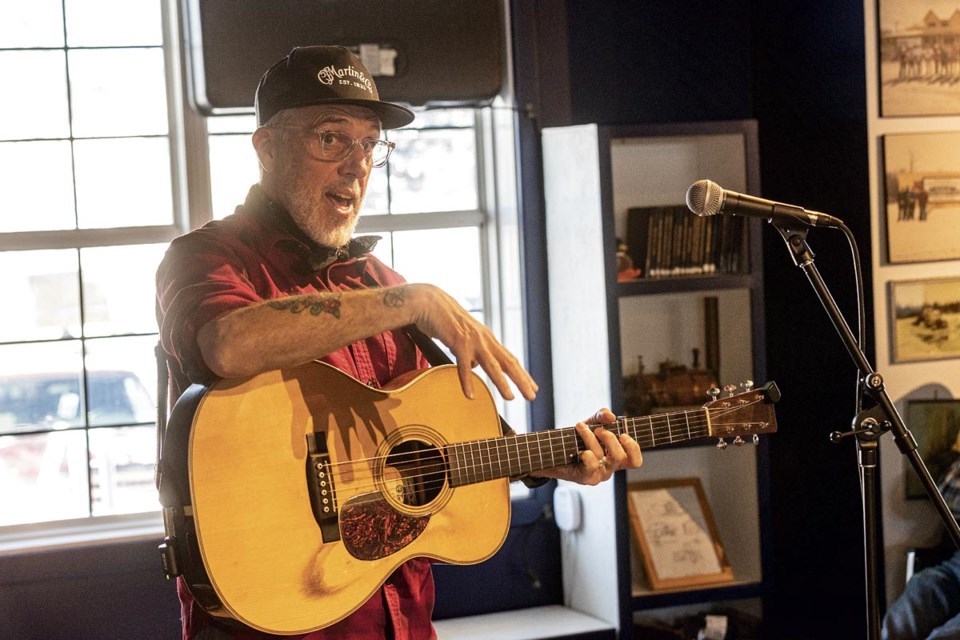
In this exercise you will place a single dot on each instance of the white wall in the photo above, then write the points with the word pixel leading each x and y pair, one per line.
pixel 906 523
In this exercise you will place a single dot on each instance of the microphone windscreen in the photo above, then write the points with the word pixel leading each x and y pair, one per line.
pixel 705 198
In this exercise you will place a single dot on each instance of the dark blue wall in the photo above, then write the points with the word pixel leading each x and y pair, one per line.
pixel 97 592
pixel 796 66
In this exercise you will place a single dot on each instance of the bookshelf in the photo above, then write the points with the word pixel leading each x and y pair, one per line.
pixel 610 326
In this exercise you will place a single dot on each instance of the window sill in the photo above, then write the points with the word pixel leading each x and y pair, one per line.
pixel 45 536
pixel 551 621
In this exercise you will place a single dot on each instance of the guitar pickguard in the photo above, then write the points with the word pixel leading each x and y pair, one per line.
pixel 411 477
pixel 371 529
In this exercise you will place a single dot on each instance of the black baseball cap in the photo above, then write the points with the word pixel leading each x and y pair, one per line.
pixel 323 75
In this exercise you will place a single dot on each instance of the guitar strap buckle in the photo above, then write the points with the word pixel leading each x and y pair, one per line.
pixel 168 548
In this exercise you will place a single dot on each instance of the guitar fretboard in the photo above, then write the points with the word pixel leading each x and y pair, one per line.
pixel 517 455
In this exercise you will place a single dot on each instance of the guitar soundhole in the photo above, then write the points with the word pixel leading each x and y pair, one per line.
pixel 418 471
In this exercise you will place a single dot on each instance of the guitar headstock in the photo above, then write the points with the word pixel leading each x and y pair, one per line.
pixel 747 413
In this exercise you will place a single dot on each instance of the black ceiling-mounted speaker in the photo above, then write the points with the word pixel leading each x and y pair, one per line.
pixel 420 52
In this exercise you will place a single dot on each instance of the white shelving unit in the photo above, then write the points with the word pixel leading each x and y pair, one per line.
pixel 599 328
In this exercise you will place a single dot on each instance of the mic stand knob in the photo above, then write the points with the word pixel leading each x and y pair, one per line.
pixel 869 427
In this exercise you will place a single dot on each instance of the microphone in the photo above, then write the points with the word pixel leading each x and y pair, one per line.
pixel 707 198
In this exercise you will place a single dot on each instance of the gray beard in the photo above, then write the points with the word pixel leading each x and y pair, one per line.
pixel 320 230
pixel 305 204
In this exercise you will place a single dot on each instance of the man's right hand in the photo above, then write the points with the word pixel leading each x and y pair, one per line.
pixel 470 341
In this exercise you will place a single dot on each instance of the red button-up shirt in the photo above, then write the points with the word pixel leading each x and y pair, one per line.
pixel 259 254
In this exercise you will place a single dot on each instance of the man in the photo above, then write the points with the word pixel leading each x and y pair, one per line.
pixel 929 608
pixel 282 282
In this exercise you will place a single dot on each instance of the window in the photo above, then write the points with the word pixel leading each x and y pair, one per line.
pixel 93 168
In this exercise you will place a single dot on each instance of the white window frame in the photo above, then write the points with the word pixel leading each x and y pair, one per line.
pixel 497 217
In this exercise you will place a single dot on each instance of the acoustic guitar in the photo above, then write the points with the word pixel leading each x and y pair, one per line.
pixel 302 490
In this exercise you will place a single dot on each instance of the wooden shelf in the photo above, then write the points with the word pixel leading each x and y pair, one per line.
pixel 646 286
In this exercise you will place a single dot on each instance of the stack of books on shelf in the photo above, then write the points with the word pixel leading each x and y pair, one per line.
pixel 671 241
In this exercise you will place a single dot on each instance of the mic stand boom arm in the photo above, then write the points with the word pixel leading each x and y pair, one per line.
pixel 869 425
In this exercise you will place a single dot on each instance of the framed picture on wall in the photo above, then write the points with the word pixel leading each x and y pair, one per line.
pixel 936 426
pixel 922 196
pixel 675 533
pixel 917 54
pixel 925 319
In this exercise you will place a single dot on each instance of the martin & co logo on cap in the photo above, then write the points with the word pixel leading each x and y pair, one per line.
pixel 345 75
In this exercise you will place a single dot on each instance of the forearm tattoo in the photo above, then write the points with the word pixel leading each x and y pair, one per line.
pixel 315 304
pixel 393 297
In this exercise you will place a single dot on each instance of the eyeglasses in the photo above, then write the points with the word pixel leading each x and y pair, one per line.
pixel 333 146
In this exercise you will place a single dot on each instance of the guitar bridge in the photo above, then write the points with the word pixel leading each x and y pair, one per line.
pixel 323 497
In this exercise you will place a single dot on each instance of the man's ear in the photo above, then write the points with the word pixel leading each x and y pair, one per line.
pixel 265 142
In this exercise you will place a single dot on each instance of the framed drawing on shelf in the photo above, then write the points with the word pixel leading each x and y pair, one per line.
pixel 936 426
pixel 675 533
pixel 925 319
pixel 918 74
pixel 922 196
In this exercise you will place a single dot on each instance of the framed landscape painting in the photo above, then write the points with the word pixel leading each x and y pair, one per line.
pixel 925 319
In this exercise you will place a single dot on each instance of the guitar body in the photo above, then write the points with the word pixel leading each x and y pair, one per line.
pixel 309 488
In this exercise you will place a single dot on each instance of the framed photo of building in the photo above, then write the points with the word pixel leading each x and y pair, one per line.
pixel 675 533
pixel 936 426
pixel 925 319
pixel 922 195
pixel 917 53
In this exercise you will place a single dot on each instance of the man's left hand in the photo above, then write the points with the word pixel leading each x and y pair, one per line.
pixel 604 453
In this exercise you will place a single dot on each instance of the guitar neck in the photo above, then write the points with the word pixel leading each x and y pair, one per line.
pixel 512 456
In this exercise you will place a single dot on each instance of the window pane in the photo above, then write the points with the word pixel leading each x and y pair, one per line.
pixel 44 477
pixel 38 23
pixel 36 179
pixel 232 124
pixel 444 118
pixel 376 201
pixel 123 183
pixel 117 294
pixel 118 92
pixel 99 23
pixel 433 171
pixel 41 387
pixel 121 469
pixel 417 254
pixel 46 288
pixel 38 108
pixel 122 381
pixel 233 169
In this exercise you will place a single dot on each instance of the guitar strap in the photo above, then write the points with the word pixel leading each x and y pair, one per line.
pixel 163 385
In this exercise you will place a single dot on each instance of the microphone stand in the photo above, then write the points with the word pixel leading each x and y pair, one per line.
pixel 868 426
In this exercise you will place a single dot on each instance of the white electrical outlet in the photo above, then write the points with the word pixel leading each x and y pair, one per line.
pixel 566 508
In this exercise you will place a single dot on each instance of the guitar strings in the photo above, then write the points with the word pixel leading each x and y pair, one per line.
pixel 439 469
pixel 554 438
pixel 662 429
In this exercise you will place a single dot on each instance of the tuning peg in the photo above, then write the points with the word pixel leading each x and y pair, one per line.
pixel 747 385
pixel 713 392
pixel 730 389
pixel 722 444
pixel 738 442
